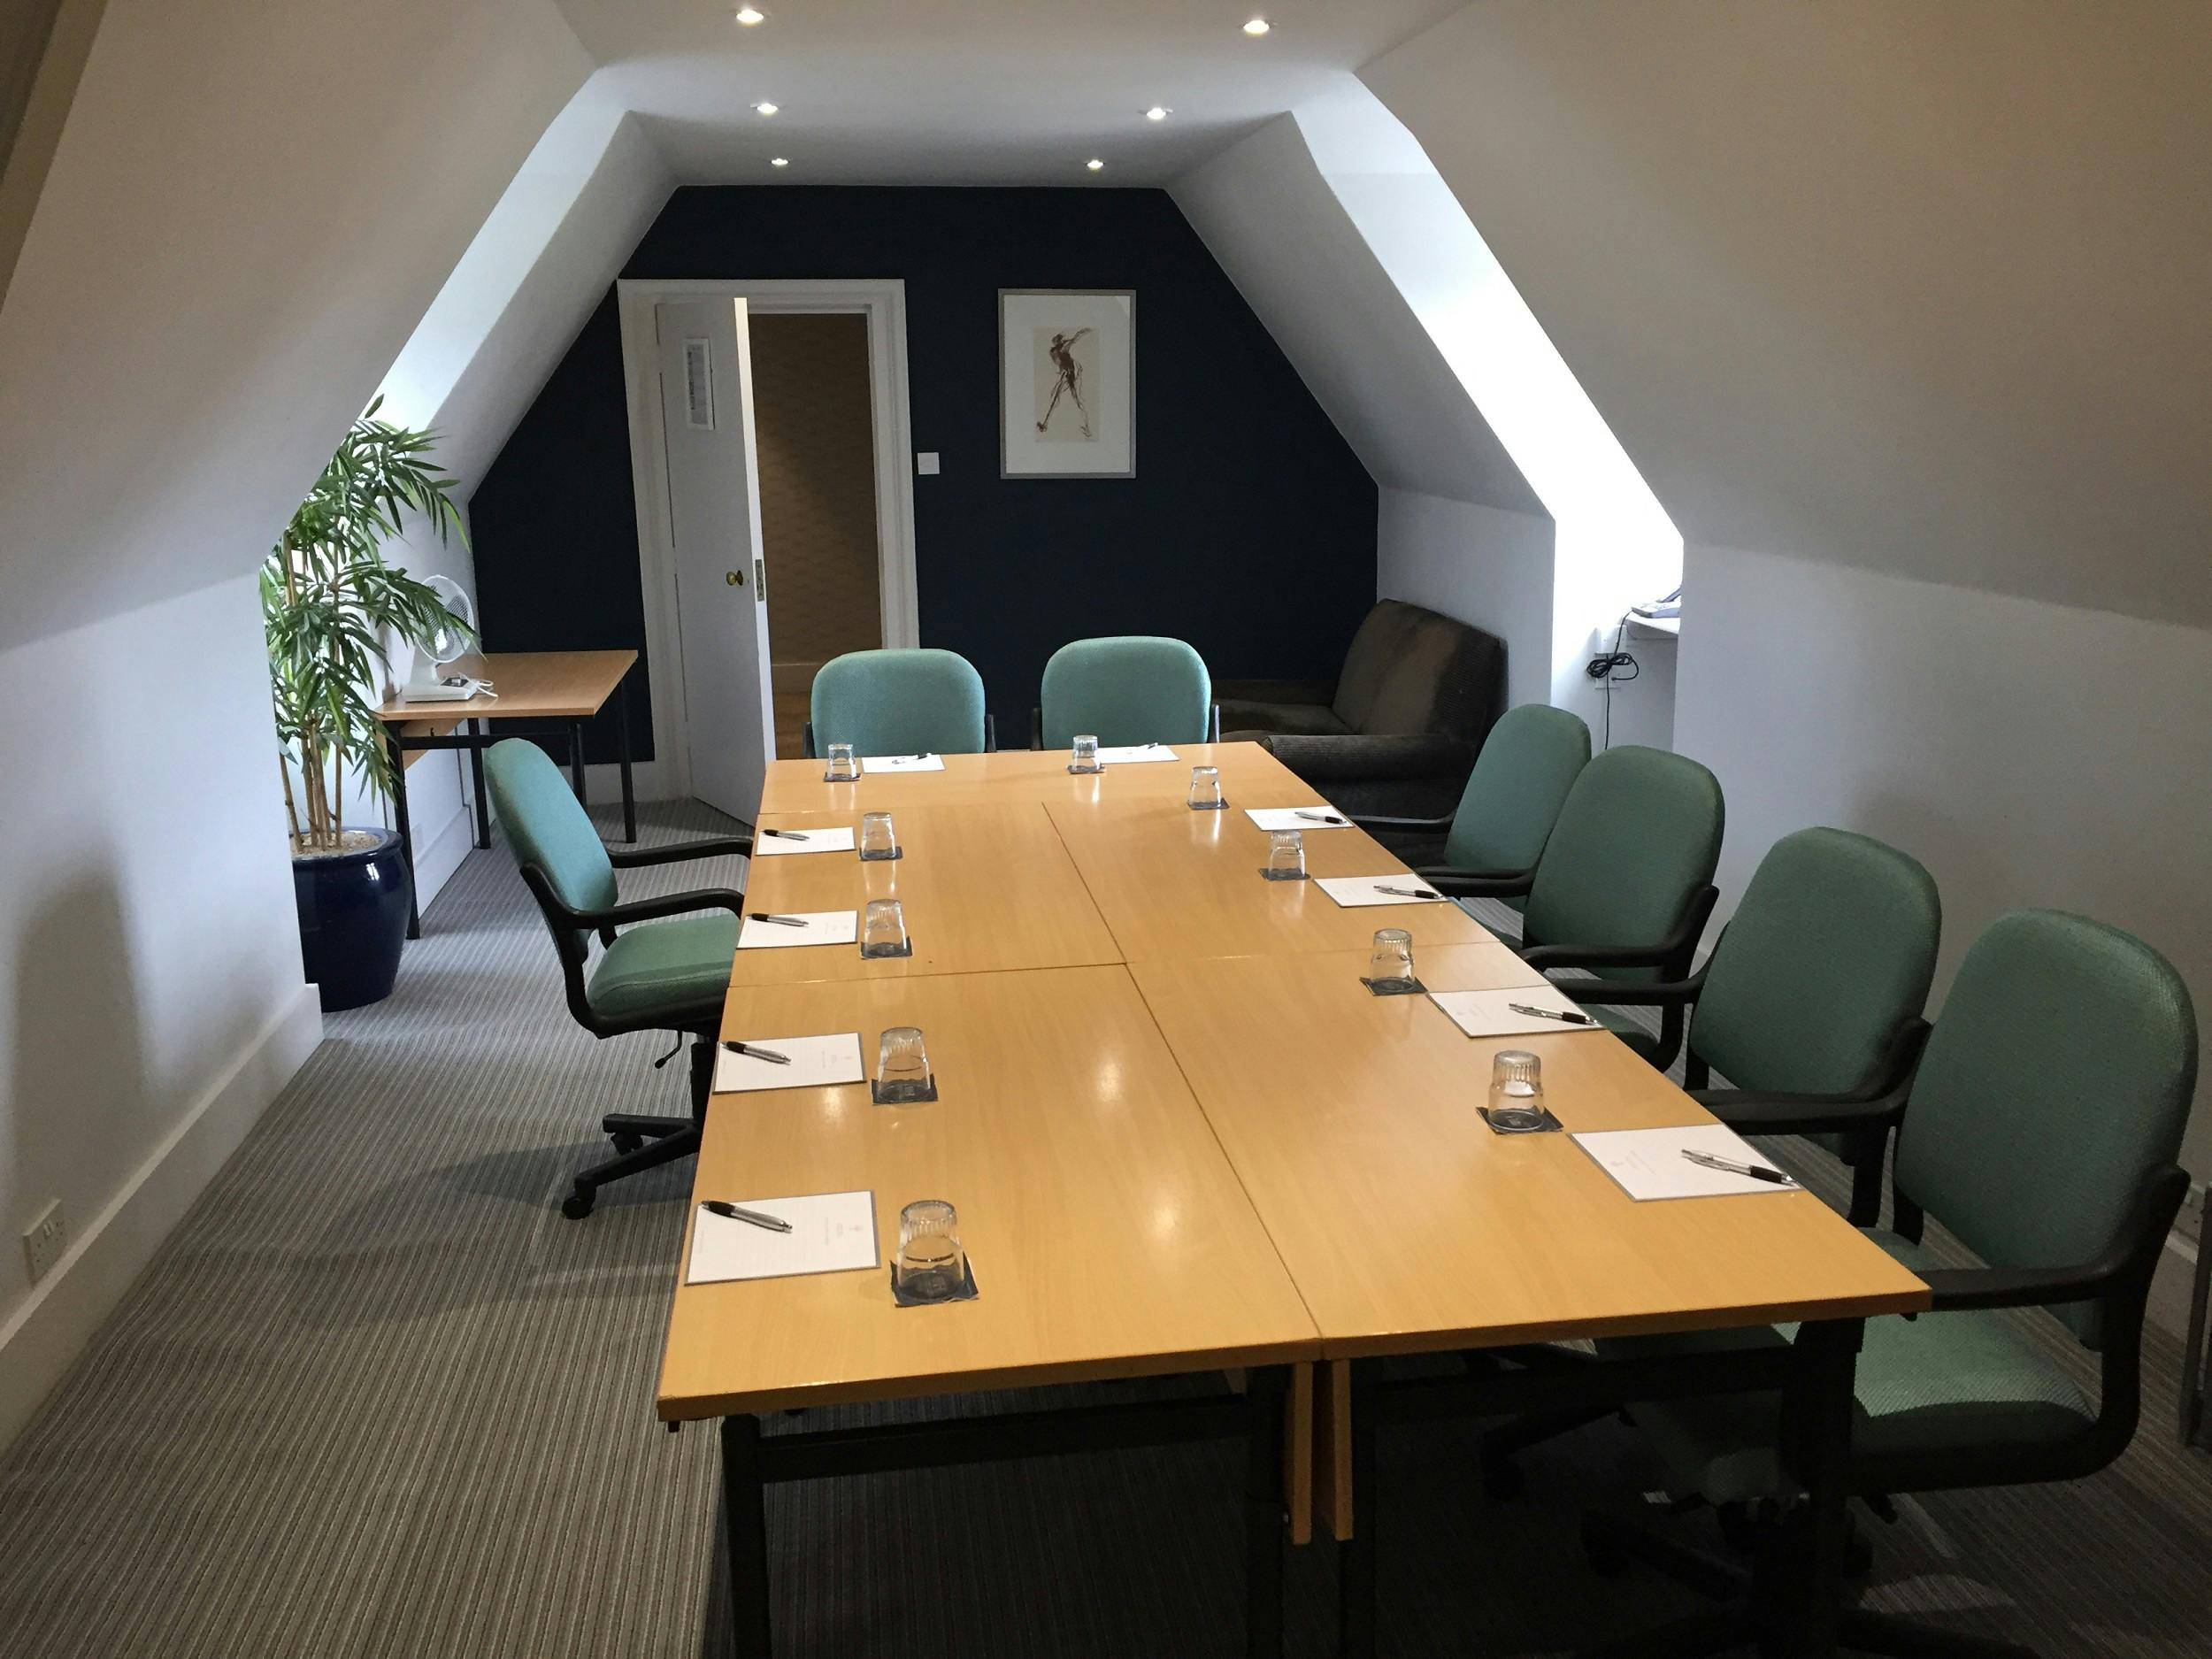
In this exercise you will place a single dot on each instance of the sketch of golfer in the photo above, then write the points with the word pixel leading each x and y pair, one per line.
pixel 1069 379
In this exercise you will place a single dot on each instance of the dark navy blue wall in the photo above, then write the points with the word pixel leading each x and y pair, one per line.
pixel 1249 529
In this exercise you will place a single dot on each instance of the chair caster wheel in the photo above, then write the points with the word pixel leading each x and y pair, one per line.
pixel 577 1205
pixel 624 1144
pixel 1602 1552
pixel 1501 1478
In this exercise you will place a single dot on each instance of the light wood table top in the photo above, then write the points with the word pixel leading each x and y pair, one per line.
pixel 531 686
pixel 1109 1235
pixel 1172 882
pixel 1027 775
pixel 984 888
pixel 1407 1226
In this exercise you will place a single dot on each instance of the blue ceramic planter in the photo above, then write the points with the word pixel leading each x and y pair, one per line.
pixel 353 920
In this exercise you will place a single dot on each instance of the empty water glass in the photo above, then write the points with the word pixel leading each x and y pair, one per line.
pixel 844 763
pixel 883 930
pixel 1390 964
pixel 1205 789
pixel 877 839
pixel 1086 756
pixel 1516 1091
pixel 1286 855
pixel 902 1067
pixel 930 1266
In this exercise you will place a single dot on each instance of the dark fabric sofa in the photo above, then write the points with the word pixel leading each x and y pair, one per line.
pixel 1399 731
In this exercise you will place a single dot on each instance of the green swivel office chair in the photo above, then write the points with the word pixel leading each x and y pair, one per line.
pixel 2041 1132
pixel 1130 688
pixel 1528 764
pixel 1623 884
pixel 900 702
pixel 662 974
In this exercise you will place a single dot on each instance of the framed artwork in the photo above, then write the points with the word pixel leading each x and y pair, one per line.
pixel 1067 362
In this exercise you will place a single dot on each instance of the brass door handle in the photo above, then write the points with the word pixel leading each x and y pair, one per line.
pixel 735 578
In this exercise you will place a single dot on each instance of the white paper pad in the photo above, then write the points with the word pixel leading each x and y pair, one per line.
pixel 823 927
pixel 1354 891
pixel 831 1233
pixel 1649 1163
pixel 902 763
pixel 1130 754
pixel 816 1062
pixel 837 839
pixel 1283 818
pixel 1485 1013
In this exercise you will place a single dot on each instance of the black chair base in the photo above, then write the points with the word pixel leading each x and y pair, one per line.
pixel 1613 1542
pixel 642 1143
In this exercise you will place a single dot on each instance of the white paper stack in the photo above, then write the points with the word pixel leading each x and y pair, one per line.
pixel 831 1233
pixel 836 838
pixel 1649 1163
pixel 1490 1013
pixel 1130 754
pixel 902 763
pixel 814 1062
pixel 821 927
pixel 1297 817
pixel 1355 891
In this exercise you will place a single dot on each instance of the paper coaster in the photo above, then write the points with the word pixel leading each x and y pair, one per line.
pixel 1208 806
pixel 928 1094
pixel 967 1293
pixel 1549 1127
pixel 1394 987
pixel 883 858
pixel 1283 875
pixel 876 953
pixel 1085 772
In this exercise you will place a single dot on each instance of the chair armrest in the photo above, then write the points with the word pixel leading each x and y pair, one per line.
pixel 1402 826
pixel 2133 1251
pixel 1676 946
pixel 990 733
pixel 1616 994
pixel 1478 884
pixel 659 910
pixel 1213 723
pixel 1036 726
pixel 715 846
pixel 1353 756
pixel 1752 1114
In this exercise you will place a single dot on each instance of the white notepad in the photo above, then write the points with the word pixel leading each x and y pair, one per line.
pixel 1649 1163
pixel 1283 818
pixel 823 927
pixel 815 1063
pixel 1486 1013
pixel 902 763
pixel 1130 754
pixel 1354 891
pixel 831 1233
pixel 836 838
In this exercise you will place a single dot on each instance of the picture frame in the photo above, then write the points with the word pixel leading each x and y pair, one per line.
pixel 1067 382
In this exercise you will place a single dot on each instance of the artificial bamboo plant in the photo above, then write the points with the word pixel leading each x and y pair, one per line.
pixel 328 603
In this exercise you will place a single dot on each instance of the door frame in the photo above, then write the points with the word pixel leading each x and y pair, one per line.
pixel 882 301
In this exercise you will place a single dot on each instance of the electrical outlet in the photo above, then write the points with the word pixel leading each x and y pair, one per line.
pixel 43 1242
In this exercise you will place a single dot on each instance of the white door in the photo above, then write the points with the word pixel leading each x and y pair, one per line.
pixel 714 517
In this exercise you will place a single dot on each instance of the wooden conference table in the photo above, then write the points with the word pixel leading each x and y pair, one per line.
pixel 1183 1137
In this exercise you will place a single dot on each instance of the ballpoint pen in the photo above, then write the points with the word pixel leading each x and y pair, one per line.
pixel 1531 1009
pixel 1408 892
pixel 789 835
pixel 1317 818
pixel 738 1212
pixel 1757 1172
pixel 780 921
pixel 751 1053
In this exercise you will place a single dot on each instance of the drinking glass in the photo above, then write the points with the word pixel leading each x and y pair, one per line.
pixel 877 839
pixel 1516 1091
pixel 1205 789
pixel 1286 855
pixel 883 930
pixel 1086 755
pixel 902 1067
pixel 930 1266
pixel 1390 964
pixel 844 763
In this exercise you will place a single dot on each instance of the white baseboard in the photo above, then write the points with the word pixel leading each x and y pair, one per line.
pixel 50 1330
pixel 439 855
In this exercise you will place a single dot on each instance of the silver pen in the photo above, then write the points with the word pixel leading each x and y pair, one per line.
pixel 1316 818
pixel 1757 1172
pixel 738 1212
pixel 1407 893
pixel 780 921
pixel 788 835
pixel 751 1053
pixel 1535 1012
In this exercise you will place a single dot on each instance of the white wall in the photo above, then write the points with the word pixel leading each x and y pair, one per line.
pixel 2027 753
pixel 1489 568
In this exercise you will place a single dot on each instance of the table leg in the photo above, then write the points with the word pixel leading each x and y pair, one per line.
pixel 481 729
pixel 1818 1445
pixel 745 1523
pixel 398 758
pixel 629 783
pixel 576 760
pixel 1265 1388
pixel 1355 1555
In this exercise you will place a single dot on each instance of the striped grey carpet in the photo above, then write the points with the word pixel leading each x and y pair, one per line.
pixel 376 1398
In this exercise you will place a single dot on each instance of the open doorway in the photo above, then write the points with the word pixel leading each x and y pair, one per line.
pixel 812 424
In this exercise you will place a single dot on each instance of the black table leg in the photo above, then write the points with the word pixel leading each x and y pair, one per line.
pixel 398 758
pixel 1355 1555
pixel 629 785
pixel 745 1521
pixel 1817 1443
pixel 482 730
pixel 576 760
pixel 1264 1512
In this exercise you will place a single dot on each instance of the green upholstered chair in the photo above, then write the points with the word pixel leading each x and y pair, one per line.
pixel 900 702
pixel 1130 688
pixel 1529 762
pixel 2041 1132
pixel 1623 884
pixel 655 971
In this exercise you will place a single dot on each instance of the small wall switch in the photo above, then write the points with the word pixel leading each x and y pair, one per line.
pixel 926 463
pixel 43 1243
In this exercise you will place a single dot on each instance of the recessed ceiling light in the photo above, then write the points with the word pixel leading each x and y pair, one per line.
pixel 1094 164
pixel 780 161
pixel 749 15
pixel 1256 27
pixel 767 108
pixel 1157 113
